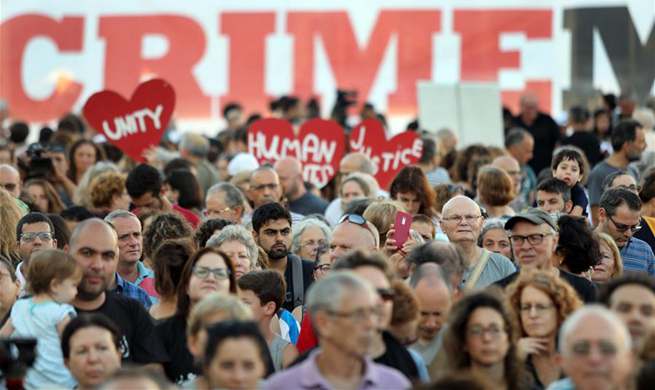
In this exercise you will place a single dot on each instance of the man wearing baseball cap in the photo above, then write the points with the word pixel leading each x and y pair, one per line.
pixel 533 235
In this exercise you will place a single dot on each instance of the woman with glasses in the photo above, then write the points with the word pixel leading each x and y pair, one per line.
pixel 208 271
pixel 309 235
pixel 539 303
pixel 237 243
pixel 480 339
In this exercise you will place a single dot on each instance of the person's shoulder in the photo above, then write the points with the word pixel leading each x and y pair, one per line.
pixel 504 282
pixel 389 377
pixel 642 245
pixel 288 378
pixel 171 324
pixel 501 261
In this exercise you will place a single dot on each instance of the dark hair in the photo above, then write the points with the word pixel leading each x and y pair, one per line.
pixel 429 150
pixel 143 179
pixel 555 186
pixel 61 232
pixel 570 153
pixel 72 170
pixel 495 186
pixel 48 265
pixel 164 226
pixel 412 179
pixel 625 131
pixel 359 258
pixel 268 285
pixel 76 213
pixel 18 132
pixel 615 197
pixel 183 301
pixel 186 184
pixel 89 320
pixel 515 136
pixel 224 330
pixel 168 262
pixel 30 218
pixel 460 169
pixel 647 191
pixel 71 123
pixel 358 206
pixel 628 278
pixel 231 106
pixel 207 229
pixel 578 115
pixel 609 179
pixel 175 164
pixel 456 335
pixel 577 245
pixel 463 380
pixel 131 373
pixel 55 204
pixel 268 212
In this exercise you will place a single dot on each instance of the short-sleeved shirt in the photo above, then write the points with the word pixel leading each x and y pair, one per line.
pixel 308 204
pixel 306 375
pixel 497 268
pixel 39 320
pixel 598 175
pixel 637 255
pixel 579 198
pixel 139 342
pixel 133 291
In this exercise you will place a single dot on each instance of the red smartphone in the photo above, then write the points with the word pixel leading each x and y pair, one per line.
pixel 401 227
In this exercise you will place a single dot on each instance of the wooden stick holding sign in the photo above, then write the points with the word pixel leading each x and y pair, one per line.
pixel 135 125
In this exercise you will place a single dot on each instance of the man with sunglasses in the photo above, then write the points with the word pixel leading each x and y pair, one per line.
pixel 534 237
pixel 34 232
pixel 619 216
pixel 10 179
pixel 351 233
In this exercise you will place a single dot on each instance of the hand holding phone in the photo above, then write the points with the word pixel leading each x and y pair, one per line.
pixel 401 227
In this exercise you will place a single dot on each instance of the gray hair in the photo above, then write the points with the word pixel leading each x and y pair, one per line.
pixel 300 227
pixel 580 317
pixel 236 233
pixel 428 271
pixel 116 214
pixel 329 292
pixel 81 196
pixel 233 195
pixel 195 144
pixel 515 136
pixel 490 224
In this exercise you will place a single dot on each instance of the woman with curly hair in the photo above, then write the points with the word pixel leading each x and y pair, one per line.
pixel 495 191
pixel 411 187
pixel 163 226
pixel 539 302
pixel 44 196
pixel 107 193
pixel 10 214
pixel 480 338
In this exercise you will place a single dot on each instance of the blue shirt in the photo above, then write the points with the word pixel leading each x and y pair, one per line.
pixel 133 291
pixel 637 255
pixel 144 273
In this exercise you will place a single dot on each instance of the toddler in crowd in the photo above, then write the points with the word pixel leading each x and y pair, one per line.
pixel 569 166
pixel 52 280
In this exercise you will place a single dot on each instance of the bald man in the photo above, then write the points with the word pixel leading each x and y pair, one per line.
pixel 94 246
pixel 10 179
pixel 351 233
pixel 462 221
pixel 300 200
pixel 435 297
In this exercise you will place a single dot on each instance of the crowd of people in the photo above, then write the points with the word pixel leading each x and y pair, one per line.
pixel 526 266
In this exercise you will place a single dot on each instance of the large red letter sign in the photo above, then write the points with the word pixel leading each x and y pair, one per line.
pixel 15 34
pixel 125 67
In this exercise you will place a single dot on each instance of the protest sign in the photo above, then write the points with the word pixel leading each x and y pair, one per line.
pixel 388 155
pixel 135 125
pixel 319 146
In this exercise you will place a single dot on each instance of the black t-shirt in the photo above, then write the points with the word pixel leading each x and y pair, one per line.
pixel 397 356
pixel 588 142
pixel 139 342
pixel 546 134
pixel 646 234
pixel 308 204
pixel 586 290
pixel 307 276
pixel 180 368
pixel 579 198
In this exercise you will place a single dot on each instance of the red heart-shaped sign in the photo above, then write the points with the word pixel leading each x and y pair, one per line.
pixel 319 146
pixel 135 125
pixel 388 155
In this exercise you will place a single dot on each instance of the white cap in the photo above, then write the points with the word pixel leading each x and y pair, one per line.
pixel 242 162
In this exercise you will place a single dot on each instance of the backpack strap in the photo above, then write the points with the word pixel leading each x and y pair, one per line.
pixel 477 271
pixel 297 280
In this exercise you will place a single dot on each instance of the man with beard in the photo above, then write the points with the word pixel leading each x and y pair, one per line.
pixel 620 216
pixel 300 200
pixel 628 141
pixel 632 298
pixel 94 246
pixel 271 224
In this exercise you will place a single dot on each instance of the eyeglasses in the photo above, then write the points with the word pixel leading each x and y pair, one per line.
pixel 357 220
pixel 359 315
pixel 623 227
pixel 458 218
pixel 323 267
pixel 312 243
pixel 479 331
pixel 203 272
pixel 538 307
pixel 583 348
pixel 533 239
pixel 31 236
pixel 387 294
pixel 9 186
pixel 213 212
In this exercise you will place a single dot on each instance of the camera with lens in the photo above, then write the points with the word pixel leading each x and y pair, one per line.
pixel 17 355
pixel 39 166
